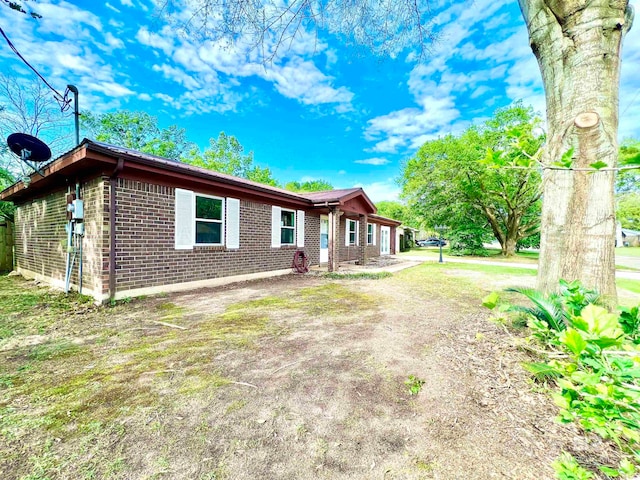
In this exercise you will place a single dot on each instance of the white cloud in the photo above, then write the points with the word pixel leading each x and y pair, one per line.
pixel 481 49
pixel 66 20
pixel 220 65
pixel 145 97
pixel 399 129
pixel 302 81
pixel 178 76
pixel 161 41
pixel 164 97
pixel 629 87
pixel 110 89
pixel 373 161
pixel 111 7
pixel 379 191
pixel 127 3
pixel 113 42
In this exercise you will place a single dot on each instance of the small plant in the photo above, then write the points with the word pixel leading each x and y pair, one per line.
pixel 593 358
pixel 630 323
pixel 567 468
pixel 415 384
pixel 555 309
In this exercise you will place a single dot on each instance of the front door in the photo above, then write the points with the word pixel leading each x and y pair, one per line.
pixel 385 235
pixel 324 239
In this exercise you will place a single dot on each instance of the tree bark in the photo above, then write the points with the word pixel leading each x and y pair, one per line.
pixel 577 44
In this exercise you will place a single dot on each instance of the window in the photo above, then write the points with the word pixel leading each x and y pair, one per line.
pixel 287 227
pixel 202 220
pixel 371 234
pixel 209 223
pixel 352 232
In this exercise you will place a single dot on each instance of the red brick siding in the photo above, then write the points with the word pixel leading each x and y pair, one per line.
pixel 145 253
pixel 41 237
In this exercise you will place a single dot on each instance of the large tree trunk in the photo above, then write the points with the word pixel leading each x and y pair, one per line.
pixel 577 44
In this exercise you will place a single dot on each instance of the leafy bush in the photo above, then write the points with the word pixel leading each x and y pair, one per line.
pixel 593 358
pixel 467 240
pixel 555 309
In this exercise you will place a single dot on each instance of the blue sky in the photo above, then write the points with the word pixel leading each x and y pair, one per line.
pixel 319 110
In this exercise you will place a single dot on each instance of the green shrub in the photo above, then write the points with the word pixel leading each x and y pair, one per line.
pixel 467 240
pixel 592 357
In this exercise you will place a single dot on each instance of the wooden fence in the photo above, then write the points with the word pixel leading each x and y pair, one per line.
pixel 6 246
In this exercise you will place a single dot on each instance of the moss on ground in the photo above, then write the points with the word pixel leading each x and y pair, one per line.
pixel 77 372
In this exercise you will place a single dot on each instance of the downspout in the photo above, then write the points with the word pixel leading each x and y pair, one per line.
pixel 112 228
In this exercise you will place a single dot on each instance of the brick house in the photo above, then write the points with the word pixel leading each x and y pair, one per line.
pixel 153 225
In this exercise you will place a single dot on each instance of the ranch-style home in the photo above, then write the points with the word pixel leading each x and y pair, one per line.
pixel 142 224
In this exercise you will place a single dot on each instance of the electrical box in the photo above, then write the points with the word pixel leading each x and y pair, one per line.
pixel 77 210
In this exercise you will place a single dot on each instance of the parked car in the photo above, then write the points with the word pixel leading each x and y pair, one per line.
pixel 431 242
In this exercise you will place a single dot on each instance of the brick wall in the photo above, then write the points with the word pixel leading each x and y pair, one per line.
pixel 352 252
pixel 41 238
pixel 145 253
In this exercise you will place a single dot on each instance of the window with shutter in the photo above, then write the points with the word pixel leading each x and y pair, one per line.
pixel 184 231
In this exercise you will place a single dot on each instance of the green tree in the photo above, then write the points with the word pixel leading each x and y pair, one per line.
pixel 226 155
pixel 485 177
pixel 19 6
pixel 28 107
pixel 581 87
pixel 138 131
pixel 628 210
pixel 6 208
pixel 397 211
pixel 628 179
pixel 309 186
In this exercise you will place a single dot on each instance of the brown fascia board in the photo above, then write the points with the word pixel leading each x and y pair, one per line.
pixel 385 221
pixel 357 193
pixel 102 160
pixel 185 175
pixel 341 200
pixel 57 169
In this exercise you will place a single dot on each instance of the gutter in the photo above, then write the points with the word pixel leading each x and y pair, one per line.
pixel 112 227
pixel 199 172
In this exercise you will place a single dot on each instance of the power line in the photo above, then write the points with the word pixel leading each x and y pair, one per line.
pixel 63 100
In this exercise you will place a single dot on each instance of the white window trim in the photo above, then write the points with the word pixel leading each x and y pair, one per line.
pixel 294 228
pixel 347 240
pixel 221 221
pixel 373 233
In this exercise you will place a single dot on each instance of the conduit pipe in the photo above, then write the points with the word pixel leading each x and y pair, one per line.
pixel 112 227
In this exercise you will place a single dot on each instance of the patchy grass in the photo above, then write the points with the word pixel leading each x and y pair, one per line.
pixel 357 276
pixel 77 374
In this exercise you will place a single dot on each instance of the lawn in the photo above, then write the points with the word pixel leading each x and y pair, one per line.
pixel 296 377
pixel 526 256
pixel 628 251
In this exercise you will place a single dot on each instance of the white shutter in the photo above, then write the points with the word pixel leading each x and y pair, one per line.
pixel 276 218
pixel 358 232
pixel 184 220
pixel 233 223
pixel 375 227
pixel 300 229
pixel 346 232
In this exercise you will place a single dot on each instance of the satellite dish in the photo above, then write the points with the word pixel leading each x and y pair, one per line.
pixel 29 148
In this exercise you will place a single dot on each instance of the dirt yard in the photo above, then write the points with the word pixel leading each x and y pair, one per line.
pixel 299 377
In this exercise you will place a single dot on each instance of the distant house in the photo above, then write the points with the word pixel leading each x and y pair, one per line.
pixel 630 238
pixel 152 225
